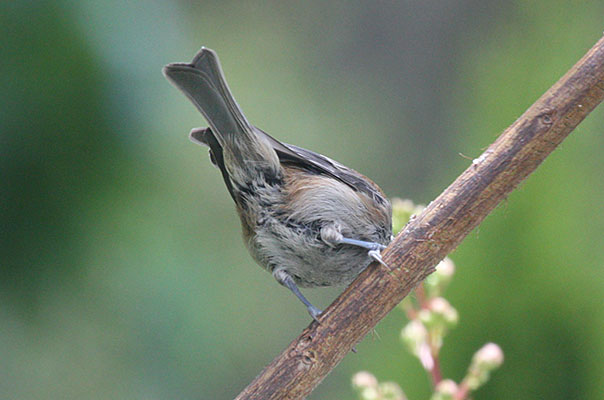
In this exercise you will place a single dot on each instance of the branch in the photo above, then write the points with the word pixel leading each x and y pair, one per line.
pixel 433 234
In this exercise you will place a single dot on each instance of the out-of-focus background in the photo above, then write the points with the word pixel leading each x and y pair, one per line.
pixel 123 275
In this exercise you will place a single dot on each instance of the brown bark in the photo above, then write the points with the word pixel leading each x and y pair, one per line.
pixel 433 234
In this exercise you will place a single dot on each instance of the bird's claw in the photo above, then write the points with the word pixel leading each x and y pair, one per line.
pixel 377 256
pixel 314 313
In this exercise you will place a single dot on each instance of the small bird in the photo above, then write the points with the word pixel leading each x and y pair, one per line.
pixel 306 218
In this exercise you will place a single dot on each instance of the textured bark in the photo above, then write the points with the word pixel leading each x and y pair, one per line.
pixel 433 234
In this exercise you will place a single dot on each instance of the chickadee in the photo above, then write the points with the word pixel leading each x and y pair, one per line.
pixel 306 218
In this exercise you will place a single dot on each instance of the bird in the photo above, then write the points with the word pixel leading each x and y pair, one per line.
pixel 307 219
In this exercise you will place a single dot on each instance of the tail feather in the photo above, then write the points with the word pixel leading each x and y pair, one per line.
pixel 202 81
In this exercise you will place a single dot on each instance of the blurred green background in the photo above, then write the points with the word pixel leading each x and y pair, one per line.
pixel 123 272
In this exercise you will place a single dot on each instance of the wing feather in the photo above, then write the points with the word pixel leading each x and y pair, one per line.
pixel 299 157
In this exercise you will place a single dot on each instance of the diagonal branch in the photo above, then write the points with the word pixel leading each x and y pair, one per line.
pixel 433 234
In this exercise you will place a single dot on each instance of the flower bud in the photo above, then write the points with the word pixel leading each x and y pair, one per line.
pixel 370 393
pixel 368 387
pixel 415 337
pixel 414 334
pixel 485 360
pixel 489 357
pixel 366 384
pixel 439 315
pixel 438 318
pixel 391 391
pixel 436 283
pixel 444 312
pixel 364 379
pixel 445 390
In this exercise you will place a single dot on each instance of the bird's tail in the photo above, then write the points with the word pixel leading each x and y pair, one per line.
pixel 202 81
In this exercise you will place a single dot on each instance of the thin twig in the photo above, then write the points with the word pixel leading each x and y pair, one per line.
pixel 434 369
pixel 435 375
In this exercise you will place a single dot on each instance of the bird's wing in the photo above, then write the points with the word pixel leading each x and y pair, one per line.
pixel 299 157
pixel 309 160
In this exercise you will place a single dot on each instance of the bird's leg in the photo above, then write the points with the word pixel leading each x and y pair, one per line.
pixel 286 280
pixel 331 235
pixel 374 248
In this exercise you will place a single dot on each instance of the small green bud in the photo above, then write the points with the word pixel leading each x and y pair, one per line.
pixel 364 379
pixel 427 317
pixel 366 384
pixel 445 390
pixel 415 337
pixel 489 357
pixel 436 283
pixel 368 388
pixel 370 393
pixel 438 318
pixel 444 311
pixel 484 361
pixel 391 391
pixel 439 314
